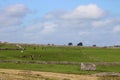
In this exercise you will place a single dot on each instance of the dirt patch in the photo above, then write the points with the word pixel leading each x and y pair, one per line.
pixel 10 74
pixel 113 74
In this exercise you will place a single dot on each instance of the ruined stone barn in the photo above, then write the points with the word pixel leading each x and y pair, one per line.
pixel 88 66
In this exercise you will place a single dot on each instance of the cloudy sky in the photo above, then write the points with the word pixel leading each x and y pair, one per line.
pixel 60 21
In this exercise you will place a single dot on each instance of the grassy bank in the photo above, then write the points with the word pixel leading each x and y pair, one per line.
pixel 70 69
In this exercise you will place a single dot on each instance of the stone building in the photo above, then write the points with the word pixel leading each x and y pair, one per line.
pixel 88 66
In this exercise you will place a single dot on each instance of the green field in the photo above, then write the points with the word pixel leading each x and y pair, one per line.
pixel 60 53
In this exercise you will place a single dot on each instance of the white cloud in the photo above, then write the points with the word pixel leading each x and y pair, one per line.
pixel 79 22
pixel 13 15
pixel 116 29
pixel 90 11
pixel 48 28
pixel 79 18
pixel 41 28
pixel 54 14
pixel 18 10
pixel 103 23
pixel 83 33
pixel 36 27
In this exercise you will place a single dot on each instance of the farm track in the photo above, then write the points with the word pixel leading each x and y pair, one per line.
pixel 10 74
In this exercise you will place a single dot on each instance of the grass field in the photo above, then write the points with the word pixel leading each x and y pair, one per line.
pixel 60 53
pixel 52 53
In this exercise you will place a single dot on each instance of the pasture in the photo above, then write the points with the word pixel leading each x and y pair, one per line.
pixel 76 54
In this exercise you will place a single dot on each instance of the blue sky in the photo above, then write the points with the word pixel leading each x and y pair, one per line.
pixel 60 21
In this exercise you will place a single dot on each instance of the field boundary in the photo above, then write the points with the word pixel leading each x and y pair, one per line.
pixel 57 62
pixel 11 49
